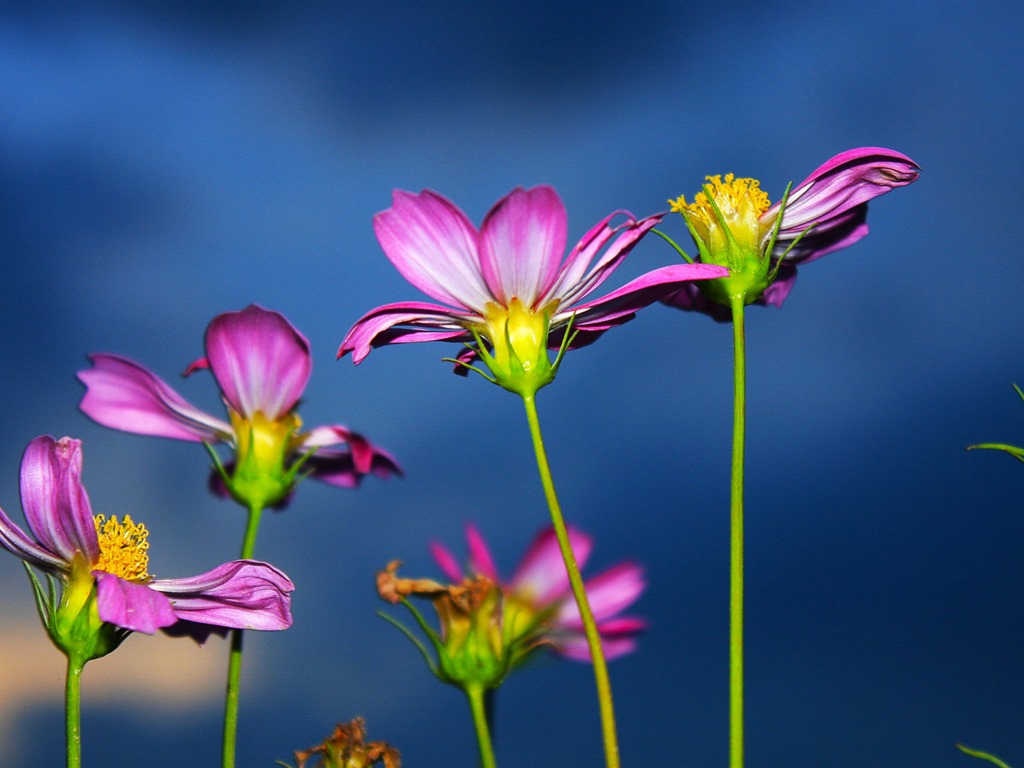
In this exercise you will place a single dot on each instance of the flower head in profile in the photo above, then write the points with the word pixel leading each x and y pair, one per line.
pixel 475 646
pixel 103 566
pixel 539 591
pixel 261 364
pixel 734 225
pixel 508 290
pixel 347 748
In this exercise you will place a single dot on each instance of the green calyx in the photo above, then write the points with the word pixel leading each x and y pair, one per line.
pixel 72 620
pixel 475 648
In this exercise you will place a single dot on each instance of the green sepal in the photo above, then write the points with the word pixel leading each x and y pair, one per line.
pixel 73 623
pixel 982 755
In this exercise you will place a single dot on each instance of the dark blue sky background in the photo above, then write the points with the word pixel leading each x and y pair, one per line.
pixel 164 162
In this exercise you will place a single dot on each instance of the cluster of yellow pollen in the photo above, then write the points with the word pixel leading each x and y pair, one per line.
pixel 733 196
pixel 123 548
pixel 740 203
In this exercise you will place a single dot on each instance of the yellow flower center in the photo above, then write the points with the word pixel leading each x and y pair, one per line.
pixel 123 548
pixel 264 442
pixel 740 202
pixel 519 335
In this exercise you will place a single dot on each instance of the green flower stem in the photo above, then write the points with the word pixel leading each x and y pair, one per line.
pixel 739 433
pixel 475 694
pixel 235 659
pixel 604 688
pixel 73 709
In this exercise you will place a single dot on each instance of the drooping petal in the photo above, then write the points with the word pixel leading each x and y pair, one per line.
pixel 843 233
pixel 242 594
pixel 541 575
pixel 338 467
pixel 425 322
pixel 522 241
pixel 259 360
pixel 361 449
pixel 56 505
pixel 480 560
pixel 689 297
pixel 121 394
pixel 608 593
pixel 619 306
pixel 137 607
pixel 434 246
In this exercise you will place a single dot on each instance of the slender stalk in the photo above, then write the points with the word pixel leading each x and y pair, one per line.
pixel 235 657
pixel 73 710
pixel 736 538
pixel 604 688
pixel 475 694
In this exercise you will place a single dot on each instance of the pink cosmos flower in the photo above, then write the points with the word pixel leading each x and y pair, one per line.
pixel 830 206
pixel 507 282
pixel 112 555
pixel 261 364
pixel 540 586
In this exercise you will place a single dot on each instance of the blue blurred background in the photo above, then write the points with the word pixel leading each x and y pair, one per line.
pixel 161 163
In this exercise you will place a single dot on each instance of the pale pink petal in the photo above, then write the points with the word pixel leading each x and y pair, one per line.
pixel 426 322
pixel 122 394
pixel 242 594
pixel 137 607
pixel 432 243
pixel 56 505
pixel 446 562
pixel 480 560
pixel 522 241
pixel 541 576
pixel 610 592
pixel 575 647
pixel 259 360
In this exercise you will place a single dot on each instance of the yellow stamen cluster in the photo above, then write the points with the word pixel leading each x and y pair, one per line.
pixel 737 195
pixel 123 548
pixel 740 202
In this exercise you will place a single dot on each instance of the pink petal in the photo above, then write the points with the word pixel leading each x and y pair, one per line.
pixel 427 322
pixel 138 607
pixel 522 242
pixel 846 181
pixel 480 560
pixel 56 505
pixel 575 647
pixel 612 591
pixel 619 306
pixel 432 243
pixel 259 360
pixel 242 594
pixel 338 467
pixel 14 540
pixel 121 394
pixel 446 562
pixel 541 576
pixel 573 286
